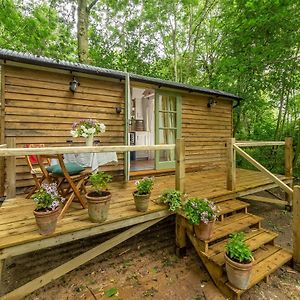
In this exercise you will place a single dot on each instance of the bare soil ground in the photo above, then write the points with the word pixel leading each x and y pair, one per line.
pixel 145 267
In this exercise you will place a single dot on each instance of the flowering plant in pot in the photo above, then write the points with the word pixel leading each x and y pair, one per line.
pixel 239 260
pixel 142 193
pixel 87 128
pixel 47 209
pixel 202 214
pixel 172 198
pixel 98 198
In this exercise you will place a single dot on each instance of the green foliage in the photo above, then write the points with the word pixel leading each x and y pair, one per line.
pixel 99 180
pixel 144 186
pixel 200 210
pixel 237 249
pixel 111 292
pixel 47 197
pixel 172 197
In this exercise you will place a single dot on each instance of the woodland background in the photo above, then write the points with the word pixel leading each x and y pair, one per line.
pixel 247 47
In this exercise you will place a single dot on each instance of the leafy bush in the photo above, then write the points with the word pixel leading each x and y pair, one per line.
pixel 47 197
pixel 99 180
pixel 172 197
pixel 200 210
pixel 144 186
pixel 237 249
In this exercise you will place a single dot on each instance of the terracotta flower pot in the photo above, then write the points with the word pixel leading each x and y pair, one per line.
pixel 204 231
pixel 238 274
pixel 98 205
pixel 141 202
pixel 46 221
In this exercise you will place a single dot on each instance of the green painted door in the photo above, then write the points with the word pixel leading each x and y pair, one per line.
pixel 167 127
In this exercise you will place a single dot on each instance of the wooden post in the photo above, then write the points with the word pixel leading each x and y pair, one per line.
pixel 296 228
pixel 180 236
pixel 288 165
pixel 11 169
pixel 288 157
pixel 2 265
pixel 180 166
pixel 231 162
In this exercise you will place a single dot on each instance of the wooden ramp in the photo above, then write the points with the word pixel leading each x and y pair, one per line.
pixel 268 257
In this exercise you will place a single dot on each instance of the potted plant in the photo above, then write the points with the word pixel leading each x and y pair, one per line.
pixel 238 260
pixel 202 214
pixel 47 209
pixel 87 128
pixel 142 193
pixel 98 198
pixel 172 198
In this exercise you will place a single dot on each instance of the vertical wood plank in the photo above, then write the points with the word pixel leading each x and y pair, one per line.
pixel 2 129
pixel 180 165
pixel 296 228
pixel 2 264
pixel 11 169
pixel 180 236
pixel 288 164
pixel 231 165
pixel 288 156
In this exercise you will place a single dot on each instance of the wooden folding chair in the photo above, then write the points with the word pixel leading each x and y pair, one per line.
pixel 35 170
pixel 70 186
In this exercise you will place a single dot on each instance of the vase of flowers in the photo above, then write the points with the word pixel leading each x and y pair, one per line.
pixel 202 214
pixel 47 200
pixel 238 261
pixel 142 193
pixel 87 128
pixel 172 198
pixel 98 198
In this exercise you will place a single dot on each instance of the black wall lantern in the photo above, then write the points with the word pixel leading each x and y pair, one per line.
pixel 74 84
pixel 211 102
pixel 118 110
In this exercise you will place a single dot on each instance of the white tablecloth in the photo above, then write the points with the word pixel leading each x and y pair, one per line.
pixel 93 160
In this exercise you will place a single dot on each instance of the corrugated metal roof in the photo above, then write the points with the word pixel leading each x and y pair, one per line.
pixel 29 58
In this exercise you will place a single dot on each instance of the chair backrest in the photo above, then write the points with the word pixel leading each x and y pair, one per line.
pixel 32 160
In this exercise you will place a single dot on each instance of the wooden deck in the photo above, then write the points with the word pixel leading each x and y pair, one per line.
pixel 18 231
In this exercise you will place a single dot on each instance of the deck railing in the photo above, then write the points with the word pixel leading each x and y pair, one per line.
pixel 234 147
pixel 11 152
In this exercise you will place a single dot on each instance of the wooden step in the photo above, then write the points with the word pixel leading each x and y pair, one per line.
pixel 267 261
pixel 231 206
pixel 235 223
pixel 255 238
pixel 265 199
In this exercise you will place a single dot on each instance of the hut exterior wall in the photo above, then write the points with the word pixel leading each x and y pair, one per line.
pixel 39 108
pixel 205 131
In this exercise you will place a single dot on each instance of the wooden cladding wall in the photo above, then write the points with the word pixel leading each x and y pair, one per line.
pixel 205 131
pixel 39 108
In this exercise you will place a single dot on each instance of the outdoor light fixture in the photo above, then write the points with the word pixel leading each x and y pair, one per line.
pixel 74 84
pixel 118 110
pixel 211 102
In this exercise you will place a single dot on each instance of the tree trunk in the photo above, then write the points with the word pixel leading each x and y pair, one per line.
pixel 82 31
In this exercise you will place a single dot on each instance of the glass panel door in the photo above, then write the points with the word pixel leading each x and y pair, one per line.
pixel 168 127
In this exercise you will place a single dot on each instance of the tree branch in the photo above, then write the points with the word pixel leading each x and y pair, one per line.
pixel 92 4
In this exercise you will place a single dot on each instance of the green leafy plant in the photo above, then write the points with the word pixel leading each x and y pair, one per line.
pixel 47 198
pixel 172 197
pixel 200 210
pixel 144 186
pixel 99 180
pixel 237 249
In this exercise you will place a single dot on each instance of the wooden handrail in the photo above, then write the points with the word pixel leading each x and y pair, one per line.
pixel 81 149
pixel 260 143
pixel 260 167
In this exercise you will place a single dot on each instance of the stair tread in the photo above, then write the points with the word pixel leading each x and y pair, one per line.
pixel 273 258
pixel 255 238
pixel 232 205
pixel 234 223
